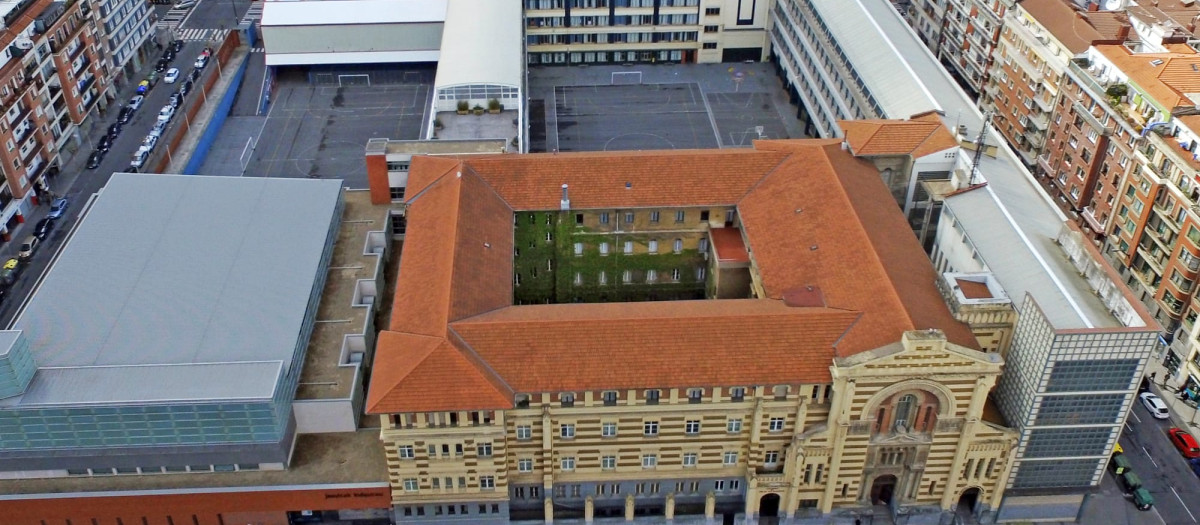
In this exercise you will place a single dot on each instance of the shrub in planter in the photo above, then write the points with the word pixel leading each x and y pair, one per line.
pixel 494 106
pixel 463 107
pixel 437 123
pixel 477 109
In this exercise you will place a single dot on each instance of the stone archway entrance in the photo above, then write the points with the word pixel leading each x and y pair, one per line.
pixel 967 503
pixel 883 489
pixel 768 509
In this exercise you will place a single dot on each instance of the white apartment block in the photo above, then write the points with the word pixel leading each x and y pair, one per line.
pixel 128 25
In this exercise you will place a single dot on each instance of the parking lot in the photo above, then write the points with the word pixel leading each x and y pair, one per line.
pixel 317 131
pixel 598 108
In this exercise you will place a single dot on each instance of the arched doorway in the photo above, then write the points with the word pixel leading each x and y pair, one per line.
pixel 882 489
pixel 768 509
pixel 967 503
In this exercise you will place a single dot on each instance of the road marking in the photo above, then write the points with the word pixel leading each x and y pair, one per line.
pixel 1135 416
pixel 1151 458
pixel 1182 503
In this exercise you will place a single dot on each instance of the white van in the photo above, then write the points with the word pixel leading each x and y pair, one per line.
pixel 140 157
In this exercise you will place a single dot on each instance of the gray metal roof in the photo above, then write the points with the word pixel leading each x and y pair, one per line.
pixel 179 270
pixel 880 64
pixel 1012 222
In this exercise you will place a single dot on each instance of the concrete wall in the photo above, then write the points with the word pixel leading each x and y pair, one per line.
pixel 352 39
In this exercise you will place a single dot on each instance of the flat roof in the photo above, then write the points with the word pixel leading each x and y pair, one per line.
pixel 728 244
pixel 438 147
pixel 324 376
pixel 350 57
pixel 319 459
pixel 1011 221
pixel 482 43
pixel 881 65
pixel 188 287
pixel 973 290
pixel 352 12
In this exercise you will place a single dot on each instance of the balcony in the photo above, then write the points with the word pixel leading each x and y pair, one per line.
pixel 1041 121
pixel 1035 74
pixel 1161 235
pixel 83 64
pixel 1035 138
pixel 1089 118
pixel 1099 90
pixel 1046 106
pixel 1164 213
pixel 1154 258
pixel 22 131
pixel 1044 162
pixel 33 158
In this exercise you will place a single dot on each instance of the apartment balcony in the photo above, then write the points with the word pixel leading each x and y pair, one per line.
pixel 1041 121
pixel 1090 119
pixel 1161 235
pixel 1043 162
pixel 1035 75
pixel 1099 90
pixel 1089 217
pixel 22 131
pixel 1036 138
pixel 83 64
pixel 1155 258
pixel 1148 279
pixel 32 158
pixel 771 476
pixel 1164 214
pixel 1047 106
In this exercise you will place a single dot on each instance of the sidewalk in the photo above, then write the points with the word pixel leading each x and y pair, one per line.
pixel 200 123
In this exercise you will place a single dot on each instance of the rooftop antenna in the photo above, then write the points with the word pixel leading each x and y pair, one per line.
pixel 979 143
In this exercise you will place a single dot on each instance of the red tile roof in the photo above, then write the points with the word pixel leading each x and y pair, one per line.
pixel 813 215
pixel 1075 28
pixel 728 244
pixel 919 136
pixel 1167 77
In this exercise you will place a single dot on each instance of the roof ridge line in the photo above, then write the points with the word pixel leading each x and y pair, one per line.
pixel 757 183
pixel 460 343
pixel 433 183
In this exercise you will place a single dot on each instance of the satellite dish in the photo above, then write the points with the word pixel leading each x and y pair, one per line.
pixel 1114 5
pixel 23 43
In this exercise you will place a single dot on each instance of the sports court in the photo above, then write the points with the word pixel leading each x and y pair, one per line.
pixel 658 109
pixel 317 127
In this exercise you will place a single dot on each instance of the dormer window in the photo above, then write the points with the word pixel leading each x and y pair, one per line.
pixel 610 398
pixel 567 399
pixel 522 401
pixel 737 394
pixel 652 397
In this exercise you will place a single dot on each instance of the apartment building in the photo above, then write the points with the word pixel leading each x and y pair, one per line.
pixel 1031 58
pixel 645 31
pixel 962 34
pixel 128 26
pixel 583 335
pixel 52 78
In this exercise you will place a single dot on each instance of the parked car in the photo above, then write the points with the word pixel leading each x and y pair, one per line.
pixel 169 55
pixel 125 115
pixel 44 227
pixel 165 114
pixel 175 100
pixel 1142 499
pixel 105 144
pixel 1129 482
pixel 58 207
pixel 1184 442
pixel 177 46
pixel 1154 405
pixel 195 74
pixel 159 127
pixel 131 169
pixel 28 246
pixel 135 103
pixel 171 76
pixel 152 78
pixel 161 65
pixel 139 158
pixel 201 61
pixel 114 131
pixel 10 272
pixel 185 88
pixel 185 4
pixel 143 87
pixel 94 159
pixel 149 142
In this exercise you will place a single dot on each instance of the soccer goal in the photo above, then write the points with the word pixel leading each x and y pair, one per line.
pixel 354 80
pixel 626 77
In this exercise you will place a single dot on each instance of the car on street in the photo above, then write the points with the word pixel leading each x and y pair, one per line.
pixel 28 246
pixel 152 78
pixel 162 65
pixel 165 114
pixel 1184 442
pixel 201 61
pixel 114 131
pixel 185 4
pixel 143 87
pixel 135 103
pixel 94 159
pixel 1154 405
pixel 171 76
pixel 1142 499
pixel 58 207
pixel 185 88
pixel 175 100
pixel 104 144
pixel 177 46
pixel 169 55
pixel 125 116
pixel 159 127
pixel 43 228
pixel 149 142
pixel 11 270
pixel 139 158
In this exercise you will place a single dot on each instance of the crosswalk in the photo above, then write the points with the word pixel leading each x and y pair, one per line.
pixel 253 14
pixel 258 50
pixel 201 35
pixel 171 20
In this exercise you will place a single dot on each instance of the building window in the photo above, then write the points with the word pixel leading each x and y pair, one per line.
pixel 904 411
pixel 771 458
pixel 608 429
pixel 651 276
pixel 652 397
pixel 568 463
pixel 775 425
pixel 578 218
pixel 397 165
pixel 678 245
pixel 603 217
pixel 719 485
pixel 628 247
pixel 410 485
pixel 737 394
pixel 650 428
pixel 689 459
pixel 652 246
pixel 487 482
pixel 695 395
pixel 699 273
pixel 566 430
pixel 567 399
pixel 610 398
pixel 712 11
pixel 680 216
pixel 649 460
pixel 730 458
pixel 603 248
pixel 654 216
pixel 484 450
pixel 627 277
pixel 578 249
pixel 733 426
pixel 675 275
pixel 711 29
pixel 709 45
pixel 628 217
pixel 397 194
pixel 691 427
pixel 406 452
pixel 525 465
pixel 608 462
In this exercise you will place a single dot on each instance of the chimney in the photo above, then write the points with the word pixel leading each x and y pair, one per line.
pixel 1093 6
pixel 565 203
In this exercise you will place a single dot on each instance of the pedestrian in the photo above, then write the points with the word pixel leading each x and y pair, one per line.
pixel 1152 374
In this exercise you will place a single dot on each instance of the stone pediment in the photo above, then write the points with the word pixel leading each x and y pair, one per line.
pixel 908 438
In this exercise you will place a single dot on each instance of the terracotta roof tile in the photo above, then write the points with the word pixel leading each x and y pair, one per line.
pixel 429 372
pixel 1074 28
pixel 573 347
pixel 728 244
pixel 598 180
pixel 1174 75
pixel 917 137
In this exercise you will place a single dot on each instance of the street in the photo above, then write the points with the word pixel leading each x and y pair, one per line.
pixel 1163 469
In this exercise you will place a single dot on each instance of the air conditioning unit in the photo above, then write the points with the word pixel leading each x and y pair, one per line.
pixel 23 43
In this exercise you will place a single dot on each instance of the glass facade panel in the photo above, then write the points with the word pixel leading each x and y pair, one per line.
pixel 1040 474
pixel 1092 374
pixel 1069 442
pixel 1080 410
